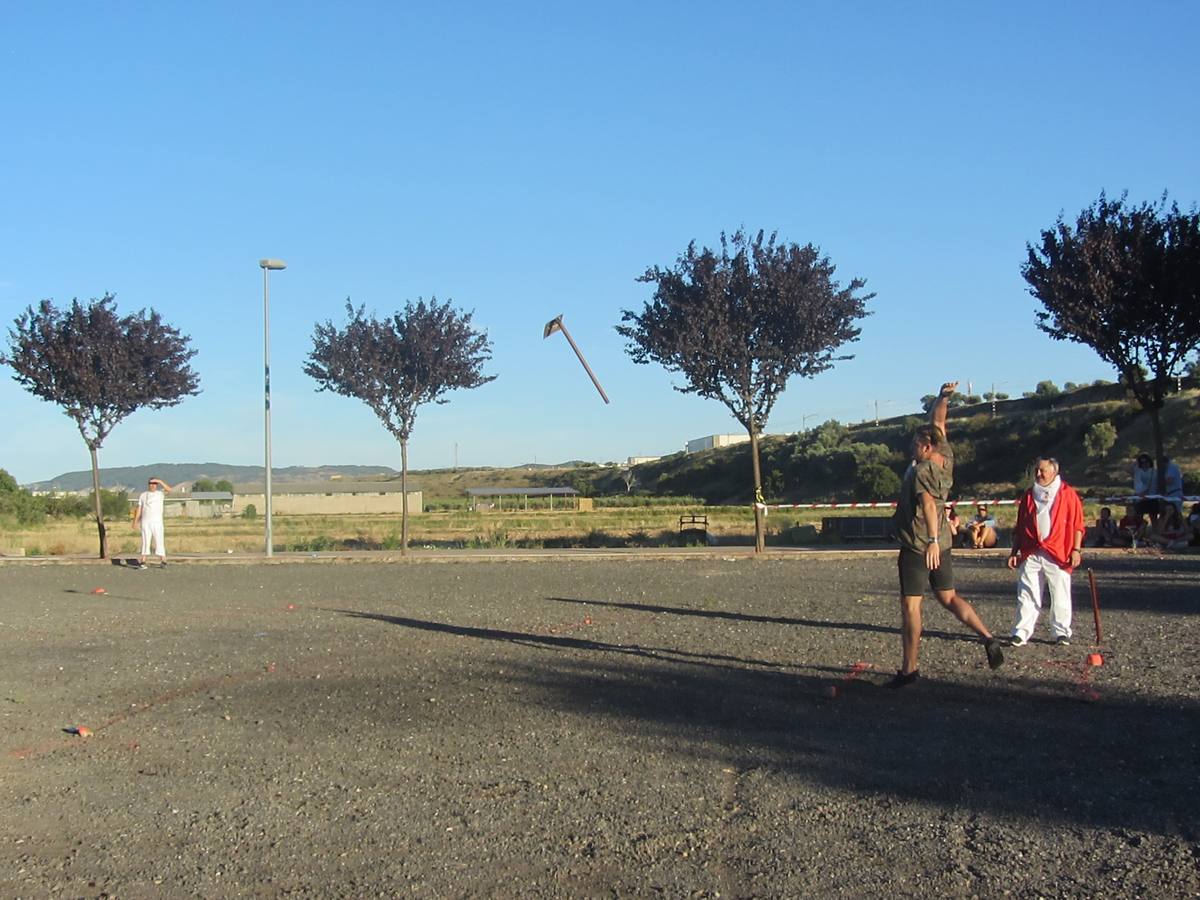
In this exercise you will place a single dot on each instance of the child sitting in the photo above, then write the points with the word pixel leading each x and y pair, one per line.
pixel 1132 527
pixel 1105 532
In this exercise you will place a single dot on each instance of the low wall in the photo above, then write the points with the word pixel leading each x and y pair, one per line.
pixel 330 504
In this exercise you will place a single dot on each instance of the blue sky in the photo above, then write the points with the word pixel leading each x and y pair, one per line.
pixel 526 160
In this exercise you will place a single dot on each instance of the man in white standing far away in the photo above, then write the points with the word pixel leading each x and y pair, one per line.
pixel 149 517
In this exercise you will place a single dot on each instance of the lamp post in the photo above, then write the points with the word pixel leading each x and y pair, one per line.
pixel 267 265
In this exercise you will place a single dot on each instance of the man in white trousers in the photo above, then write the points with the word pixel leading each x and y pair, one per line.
pixel 149 517
pixel 1047 546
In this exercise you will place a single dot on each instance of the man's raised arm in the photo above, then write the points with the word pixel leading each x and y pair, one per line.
pixel 937 413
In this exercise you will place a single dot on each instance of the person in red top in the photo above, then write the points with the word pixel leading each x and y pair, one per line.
pixel 1047 545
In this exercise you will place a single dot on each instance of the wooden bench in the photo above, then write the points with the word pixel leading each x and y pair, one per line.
pixel 693 526
pixel 856 528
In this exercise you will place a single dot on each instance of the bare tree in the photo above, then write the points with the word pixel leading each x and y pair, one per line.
pixel 100 367
pixel 739 322
pixel 397 364
pixel 1125 280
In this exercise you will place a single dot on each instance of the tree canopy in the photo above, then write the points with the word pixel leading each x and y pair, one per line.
pixel 739 322
pixel 1124 279
pixel 100 367
pixel 397 364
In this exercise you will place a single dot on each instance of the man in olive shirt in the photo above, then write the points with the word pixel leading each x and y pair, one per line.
pixel 925 542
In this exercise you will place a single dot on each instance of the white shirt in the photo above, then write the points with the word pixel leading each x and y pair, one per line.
pixel 1174 481
pixel 151 505
pixel 1143 480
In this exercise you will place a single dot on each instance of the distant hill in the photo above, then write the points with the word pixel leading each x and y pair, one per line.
pixel 435 482
pixel 124 478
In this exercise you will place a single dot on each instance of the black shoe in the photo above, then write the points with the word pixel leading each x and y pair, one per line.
pixel 902 679
pixel 1063 641
pixel 994 654
pixel 1017 641
pixel 163 564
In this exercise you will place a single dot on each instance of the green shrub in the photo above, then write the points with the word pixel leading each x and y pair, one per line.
pixel 877 482
pixel 318 544
pixel 1099 439
pixel 249 512
pixel 633 501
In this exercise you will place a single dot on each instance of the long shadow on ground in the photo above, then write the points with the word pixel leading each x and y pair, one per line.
pixel 570 643
pixel 1002 745
pixel 761 620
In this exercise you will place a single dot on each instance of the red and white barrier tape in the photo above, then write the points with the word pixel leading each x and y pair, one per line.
pixel 1150 497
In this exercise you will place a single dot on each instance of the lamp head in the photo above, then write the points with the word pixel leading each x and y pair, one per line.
pixel 273 264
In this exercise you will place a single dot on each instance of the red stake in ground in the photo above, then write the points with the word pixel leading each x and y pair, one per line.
pixel 1095 606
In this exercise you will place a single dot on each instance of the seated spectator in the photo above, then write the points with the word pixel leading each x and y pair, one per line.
pixel 1173 484
pixel 1144 484
pixel 981 530
pixel 1105 532
pixel 1168 531
pixel 955 524
pixel 1193 524
pixel 1132 527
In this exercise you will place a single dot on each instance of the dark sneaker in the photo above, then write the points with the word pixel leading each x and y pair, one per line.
pixel 902 679
pixel 163 564
pixel 1063 641
pixel 994 654
pixel 1017 641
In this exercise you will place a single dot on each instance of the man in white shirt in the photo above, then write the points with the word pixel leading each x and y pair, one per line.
pixel 149 517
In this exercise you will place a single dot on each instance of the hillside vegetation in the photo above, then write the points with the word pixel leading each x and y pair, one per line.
pixel 994 453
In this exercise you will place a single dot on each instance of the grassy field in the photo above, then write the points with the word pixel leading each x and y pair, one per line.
pixel 451 529
pixel 640 526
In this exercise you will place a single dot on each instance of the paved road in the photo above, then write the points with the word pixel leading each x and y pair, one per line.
pixel 587 726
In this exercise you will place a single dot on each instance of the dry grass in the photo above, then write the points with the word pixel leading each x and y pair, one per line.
pixel 459 528
pixel 456 528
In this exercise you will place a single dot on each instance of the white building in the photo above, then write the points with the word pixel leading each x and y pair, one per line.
pixel 713 441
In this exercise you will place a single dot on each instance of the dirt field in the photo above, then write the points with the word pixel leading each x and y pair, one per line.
pixel 588 728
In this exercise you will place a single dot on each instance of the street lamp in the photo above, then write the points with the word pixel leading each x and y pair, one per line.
pixel 267 265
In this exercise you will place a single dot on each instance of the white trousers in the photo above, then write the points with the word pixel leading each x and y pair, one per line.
pixel 1035 573
pixel 153 531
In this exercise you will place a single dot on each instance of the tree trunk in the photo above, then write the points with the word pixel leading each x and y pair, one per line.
pixel 760 531
pixel 99 506
pixel 404 497
pixel 1160 473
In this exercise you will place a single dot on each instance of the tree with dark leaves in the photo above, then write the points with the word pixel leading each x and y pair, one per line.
pixel 100 367
pixel 395 365
pixel 738 322
pixel 1125 280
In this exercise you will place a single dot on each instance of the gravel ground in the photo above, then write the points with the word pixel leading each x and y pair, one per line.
pixel 589 728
